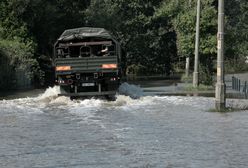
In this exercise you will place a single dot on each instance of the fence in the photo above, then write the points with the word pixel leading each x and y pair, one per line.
pixel 237 85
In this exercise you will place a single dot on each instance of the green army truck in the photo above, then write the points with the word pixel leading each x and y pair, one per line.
pixel 87 62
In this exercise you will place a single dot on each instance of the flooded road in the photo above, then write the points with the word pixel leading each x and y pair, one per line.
pixel 162 132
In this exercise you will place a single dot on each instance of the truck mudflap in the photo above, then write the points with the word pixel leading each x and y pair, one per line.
pixel 83 94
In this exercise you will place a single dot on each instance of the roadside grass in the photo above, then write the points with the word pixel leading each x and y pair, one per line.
pixel 189 87
pixel 187 79
pixel 201 87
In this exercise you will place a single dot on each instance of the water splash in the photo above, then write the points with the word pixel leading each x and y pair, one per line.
pixel 50 93
pixel 122 100
pixel 61 101
pixel 133 91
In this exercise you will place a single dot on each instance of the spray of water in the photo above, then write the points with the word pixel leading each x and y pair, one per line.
pixel 50 99
pixel 133 91
pixel 51 92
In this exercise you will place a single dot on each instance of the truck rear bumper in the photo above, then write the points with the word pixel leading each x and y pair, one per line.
pixel 82 94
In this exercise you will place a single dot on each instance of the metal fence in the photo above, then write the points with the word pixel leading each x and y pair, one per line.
pixel 240 86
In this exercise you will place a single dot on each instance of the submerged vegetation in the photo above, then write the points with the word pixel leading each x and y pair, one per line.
pixel 155 35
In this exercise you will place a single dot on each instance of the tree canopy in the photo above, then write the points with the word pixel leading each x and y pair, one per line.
pixel 153 33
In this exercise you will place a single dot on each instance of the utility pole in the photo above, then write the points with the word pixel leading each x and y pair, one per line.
pixel 220 90
pixel 197 40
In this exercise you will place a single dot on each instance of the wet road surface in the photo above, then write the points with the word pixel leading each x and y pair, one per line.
pixel 162 132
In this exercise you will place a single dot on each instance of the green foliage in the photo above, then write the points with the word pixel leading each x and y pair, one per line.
pixel 33 26
pixel 236 31
pixel 19 53
pixel 16 56
pixel 16 46
pixel 153 33
pixel 46 20
pixel 136 70
pixel 201 87
pixel 206 74
pixel 148 39
pixel 236 65
pixel 183 17
pixel 186 79
pixel 185 27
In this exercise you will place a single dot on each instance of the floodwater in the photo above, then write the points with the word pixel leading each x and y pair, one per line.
pixel 161 132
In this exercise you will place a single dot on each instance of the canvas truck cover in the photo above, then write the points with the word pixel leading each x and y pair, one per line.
pixel 84 32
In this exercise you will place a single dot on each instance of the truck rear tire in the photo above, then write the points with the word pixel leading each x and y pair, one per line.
pixel 110 97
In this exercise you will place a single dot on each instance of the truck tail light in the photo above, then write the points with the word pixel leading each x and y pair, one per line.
pixel 113 79
pixel 63 68
pixel 109 66
pixel 66 82
pixel 61 81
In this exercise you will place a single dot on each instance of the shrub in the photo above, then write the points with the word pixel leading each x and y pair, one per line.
pixel 15 56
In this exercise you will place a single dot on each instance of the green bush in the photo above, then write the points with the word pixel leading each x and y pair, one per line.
pixel 201 87
pixel 187 79
pixel 236 65
pixel 15 56
pixel 205 75
pixel 136 69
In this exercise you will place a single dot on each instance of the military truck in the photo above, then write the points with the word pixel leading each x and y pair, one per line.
pixel 87 62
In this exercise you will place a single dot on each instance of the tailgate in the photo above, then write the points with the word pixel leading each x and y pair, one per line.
pixel 88 64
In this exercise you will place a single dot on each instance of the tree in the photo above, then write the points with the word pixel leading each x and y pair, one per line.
pixel 236 34
pixel 147 38
pixel 183 17
pixel 16 47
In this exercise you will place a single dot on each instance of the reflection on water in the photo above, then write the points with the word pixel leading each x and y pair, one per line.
pixel 164 132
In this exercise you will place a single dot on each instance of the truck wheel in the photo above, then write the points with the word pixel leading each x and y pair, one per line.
pixel 110 97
